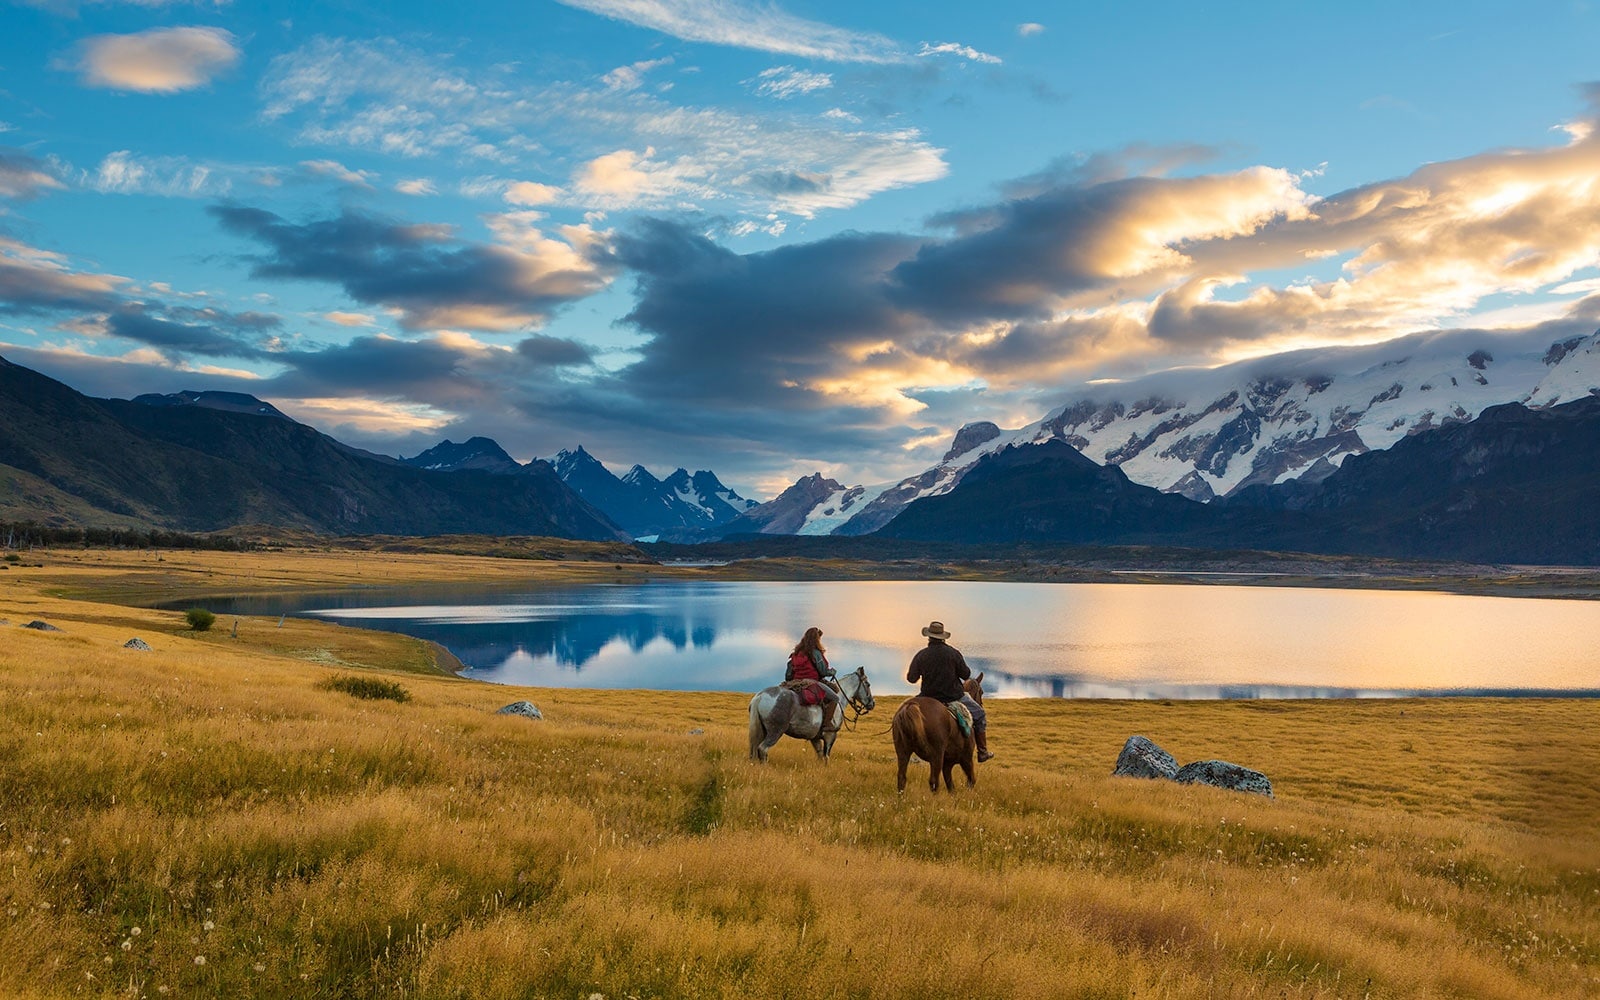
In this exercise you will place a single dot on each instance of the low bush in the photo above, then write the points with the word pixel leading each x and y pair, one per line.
pixel 366 687
pixel 199 619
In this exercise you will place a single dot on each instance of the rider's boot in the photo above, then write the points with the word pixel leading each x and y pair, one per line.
pixel 981 737
pixel 830 698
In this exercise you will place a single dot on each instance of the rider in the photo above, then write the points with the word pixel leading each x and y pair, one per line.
pixel 809 662
pixel 941 668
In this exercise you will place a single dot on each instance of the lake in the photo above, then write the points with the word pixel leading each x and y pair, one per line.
pixel 1031 639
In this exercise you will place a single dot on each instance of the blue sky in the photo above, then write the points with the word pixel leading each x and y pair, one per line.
pixel 768 239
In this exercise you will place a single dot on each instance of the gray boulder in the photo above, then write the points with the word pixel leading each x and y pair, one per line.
pixel 524 708
pixel 1141 758
pixel 40 626
pixel 1221 774
pixel 136 643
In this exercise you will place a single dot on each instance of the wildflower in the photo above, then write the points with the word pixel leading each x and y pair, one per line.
pixel 259 967
pixel 208 925
pixel 199 960
pixel 135 932
pixel 127 944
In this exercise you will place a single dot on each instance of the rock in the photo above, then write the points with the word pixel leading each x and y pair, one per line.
pixel 697 732
pixel 41 626
pixel 136 643
pixel 526 708
pixel 1221 774
pixel 1142 759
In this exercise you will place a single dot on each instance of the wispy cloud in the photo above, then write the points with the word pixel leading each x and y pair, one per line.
pixel 784 82
pixel 628 148
pixel 24 176
pixel 629 77
pixel 966 52
pixel 127 172
pixel 763 27
pixel 335 170
pixel 158 61
pixel 416 187
pixel 1028 29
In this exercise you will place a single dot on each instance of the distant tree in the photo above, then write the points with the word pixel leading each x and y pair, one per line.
pixel 199 619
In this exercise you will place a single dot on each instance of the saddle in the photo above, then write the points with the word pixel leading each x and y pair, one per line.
pixel 962 716
pixel 809 692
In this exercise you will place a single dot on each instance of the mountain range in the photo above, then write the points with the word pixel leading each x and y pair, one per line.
pixel 1209 433
pixel 211 461
pixel 1393 450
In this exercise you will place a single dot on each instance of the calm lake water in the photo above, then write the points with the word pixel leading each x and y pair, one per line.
pixel 1062 640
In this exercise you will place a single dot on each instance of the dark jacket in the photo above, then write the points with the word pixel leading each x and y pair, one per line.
pixel 941 668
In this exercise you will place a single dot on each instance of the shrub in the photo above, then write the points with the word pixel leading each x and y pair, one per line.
pixel 12 557
pixel 366 687
pixel 199 619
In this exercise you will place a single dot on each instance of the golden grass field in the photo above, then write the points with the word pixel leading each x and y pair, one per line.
pixel 204 820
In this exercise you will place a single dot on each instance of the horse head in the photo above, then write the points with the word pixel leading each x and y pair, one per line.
pixel 860 698
pixel 974 688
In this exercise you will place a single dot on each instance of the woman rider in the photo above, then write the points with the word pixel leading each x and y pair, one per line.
pixel 809 662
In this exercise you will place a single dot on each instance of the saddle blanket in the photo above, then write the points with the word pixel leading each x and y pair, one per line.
pixel 963 717
pixel 810 692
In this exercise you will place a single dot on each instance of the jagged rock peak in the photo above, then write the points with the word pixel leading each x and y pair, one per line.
pixel 639 475
pixel 971 436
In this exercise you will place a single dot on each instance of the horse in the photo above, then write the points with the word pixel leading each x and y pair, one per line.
pixel 925 727
pixel 776 712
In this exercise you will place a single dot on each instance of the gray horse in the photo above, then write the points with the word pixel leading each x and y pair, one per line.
pixel 776 712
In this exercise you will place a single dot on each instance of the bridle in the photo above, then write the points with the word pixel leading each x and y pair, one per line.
pixel 855 702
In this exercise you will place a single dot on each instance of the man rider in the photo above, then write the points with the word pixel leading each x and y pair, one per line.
pixel 941 668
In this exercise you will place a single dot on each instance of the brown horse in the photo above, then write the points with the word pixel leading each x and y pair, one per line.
pixel 925 727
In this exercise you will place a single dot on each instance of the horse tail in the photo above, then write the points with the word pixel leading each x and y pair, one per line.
pixel 758 732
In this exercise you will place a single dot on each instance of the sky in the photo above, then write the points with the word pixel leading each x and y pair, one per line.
pixel 769 239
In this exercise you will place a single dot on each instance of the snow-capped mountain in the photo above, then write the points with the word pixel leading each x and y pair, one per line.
pixel 480 453
pixel 1206 433
pixel 683 504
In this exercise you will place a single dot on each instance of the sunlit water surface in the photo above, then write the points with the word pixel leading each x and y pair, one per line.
pixel 1063 640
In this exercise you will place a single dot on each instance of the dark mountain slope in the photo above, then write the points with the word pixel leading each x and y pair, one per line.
pixel 1514 485
pixel 198 468
pixel 1048 493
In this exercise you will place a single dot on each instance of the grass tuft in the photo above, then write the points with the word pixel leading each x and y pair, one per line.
pixel 366 687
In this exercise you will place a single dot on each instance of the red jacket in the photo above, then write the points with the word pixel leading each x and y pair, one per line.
pixel 802 669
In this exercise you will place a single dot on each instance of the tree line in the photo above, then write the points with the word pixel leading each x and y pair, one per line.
pixel 30 535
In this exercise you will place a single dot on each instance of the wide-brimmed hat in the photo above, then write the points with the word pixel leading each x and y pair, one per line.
pixel 935 630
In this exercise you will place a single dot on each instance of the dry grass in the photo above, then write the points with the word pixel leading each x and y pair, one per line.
pixel 305 843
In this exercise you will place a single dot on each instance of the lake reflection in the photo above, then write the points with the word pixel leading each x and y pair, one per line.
pixel 1050 640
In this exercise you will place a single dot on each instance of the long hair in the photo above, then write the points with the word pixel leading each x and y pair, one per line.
pixel 811 640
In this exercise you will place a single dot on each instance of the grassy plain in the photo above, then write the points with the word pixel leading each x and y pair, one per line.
pixel 208 819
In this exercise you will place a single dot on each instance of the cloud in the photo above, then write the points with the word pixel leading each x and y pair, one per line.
pixel 335 170
pixel 382 97
pixel 430 276
pixel 23 177
pixel 158 61
pixel 629 77
pixel 126 172
pixel 350 318
pixel 763 27
pixel 1028 29
pixel 180 333
pixel 531 193
pixel 784 82
pixel 35 281
pixel 416 187
pixel 966 52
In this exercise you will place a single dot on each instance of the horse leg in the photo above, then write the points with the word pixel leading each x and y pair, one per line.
pixel 777 721
pixel 966 763
pixel 758 733
pixel 935 759
pixel 825 745
pixel 902 753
